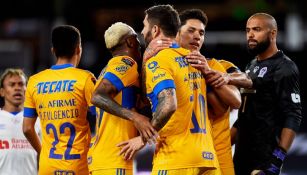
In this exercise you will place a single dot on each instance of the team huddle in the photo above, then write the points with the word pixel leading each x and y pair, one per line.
pixel 189 98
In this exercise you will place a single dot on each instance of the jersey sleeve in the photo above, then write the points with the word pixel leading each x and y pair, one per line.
pixel 88 90
pixel 215 65
pixel 121 72
pixel 229 66
pixel 29 104
pixel 158 78
pixel 288 92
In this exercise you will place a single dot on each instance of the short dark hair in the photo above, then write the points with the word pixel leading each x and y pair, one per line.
pixel 193 14
pixel 65 39
pixel 164 16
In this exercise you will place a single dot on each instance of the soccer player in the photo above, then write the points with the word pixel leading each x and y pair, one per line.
pixel 271 112
pixel 60 97
pixel 191 36
pixel 116 96
pixel 178 96
pixel 193 48
pixel 16 154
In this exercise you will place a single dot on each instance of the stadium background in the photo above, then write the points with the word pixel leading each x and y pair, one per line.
pixel 25 28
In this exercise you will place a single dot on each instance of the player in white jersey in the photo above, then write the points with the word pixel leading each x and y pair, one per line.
pixel 16 154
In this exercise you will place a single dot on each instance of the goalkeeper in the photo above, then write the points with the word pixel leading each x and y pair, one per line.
pixel 270 114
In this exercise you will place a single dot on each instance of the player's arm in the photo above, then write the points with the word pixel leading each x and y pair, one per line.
pixel 152 49
pixel 240 79
pixel 218 108
pixel 228 94
pixel 289 104
pixel 167 105
pixel 103 98
pixel 29 119
pixel 28 128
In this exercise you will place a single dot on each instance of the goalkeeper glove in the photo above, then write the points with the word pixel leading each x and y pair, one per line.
pixel 278 156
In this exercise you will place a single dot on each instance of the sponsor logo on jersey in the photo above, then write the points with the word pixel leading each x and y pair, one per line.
pixel 156 77
pixel 182 62
pixel 262 72
pixel 121 69
pixel 296 98
pixel 256 69
pixel 195 75
pixel 4 144
pixel 207 155
pixel 50 87
pixel 128 61
pixel 153 66
pixel 64 172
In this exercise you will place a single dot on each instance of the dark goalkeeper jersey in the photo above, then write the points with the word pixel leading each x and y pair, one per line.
pixel 272 104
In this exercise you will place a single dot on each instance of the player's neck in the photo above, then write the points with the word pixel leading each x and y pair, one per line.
pixel 64 60
pixel 120 52
pixel 268 53
pixel 12 108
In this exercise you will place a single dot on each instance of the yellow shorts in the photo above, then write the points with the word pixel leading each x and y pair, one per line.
pixel 186 171
pixel 116 171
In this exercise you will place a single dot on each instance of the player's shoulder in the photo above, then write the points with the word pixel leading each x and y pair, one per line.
pixel 123 60
pixel 40 75
pixel 284 63
pixel 83 72
pixel 173 51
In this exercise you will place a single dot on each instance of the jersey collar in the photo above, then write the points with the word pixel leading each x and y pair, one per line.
pixel 61 66
pixel 174 45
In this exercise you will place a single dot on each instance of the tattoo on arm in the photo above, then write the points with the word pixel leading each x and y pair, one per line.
pixel 103 98
pixel 167 105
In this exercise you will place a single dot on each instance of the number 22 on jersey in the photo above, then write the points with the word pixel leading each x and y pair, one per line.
pixel 51 129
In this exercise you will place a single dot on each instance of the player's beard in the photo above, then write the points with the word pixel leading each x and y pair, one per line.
pixel 148 38
pixel 260 47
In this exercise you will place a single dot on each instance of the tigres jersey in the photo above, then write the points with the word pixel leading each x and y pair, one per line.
pixel 122 72
pixel 220 124
pixel 185 140
pixel 229 66
pixel 61 97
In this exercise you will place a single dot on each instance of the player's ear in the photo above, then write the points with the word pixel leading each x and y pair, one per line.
pixel 52 50
pixel 274 33
pixel 78 50
pixel 155 31
pixel 1 92
pixel 129 42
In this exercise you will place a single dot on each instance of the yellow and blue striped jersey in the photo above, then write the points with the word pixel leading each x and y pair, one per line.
pixel 185 141
pixel 122 72
pixel 61 97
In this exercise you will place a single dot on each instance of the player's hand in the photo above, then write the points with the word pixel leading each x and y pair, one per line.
pixel 155 46
pixel 130 147
pixel 146 130
pixel 217 79
pixel 274 166
pixel 256 172
pixel 198 61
